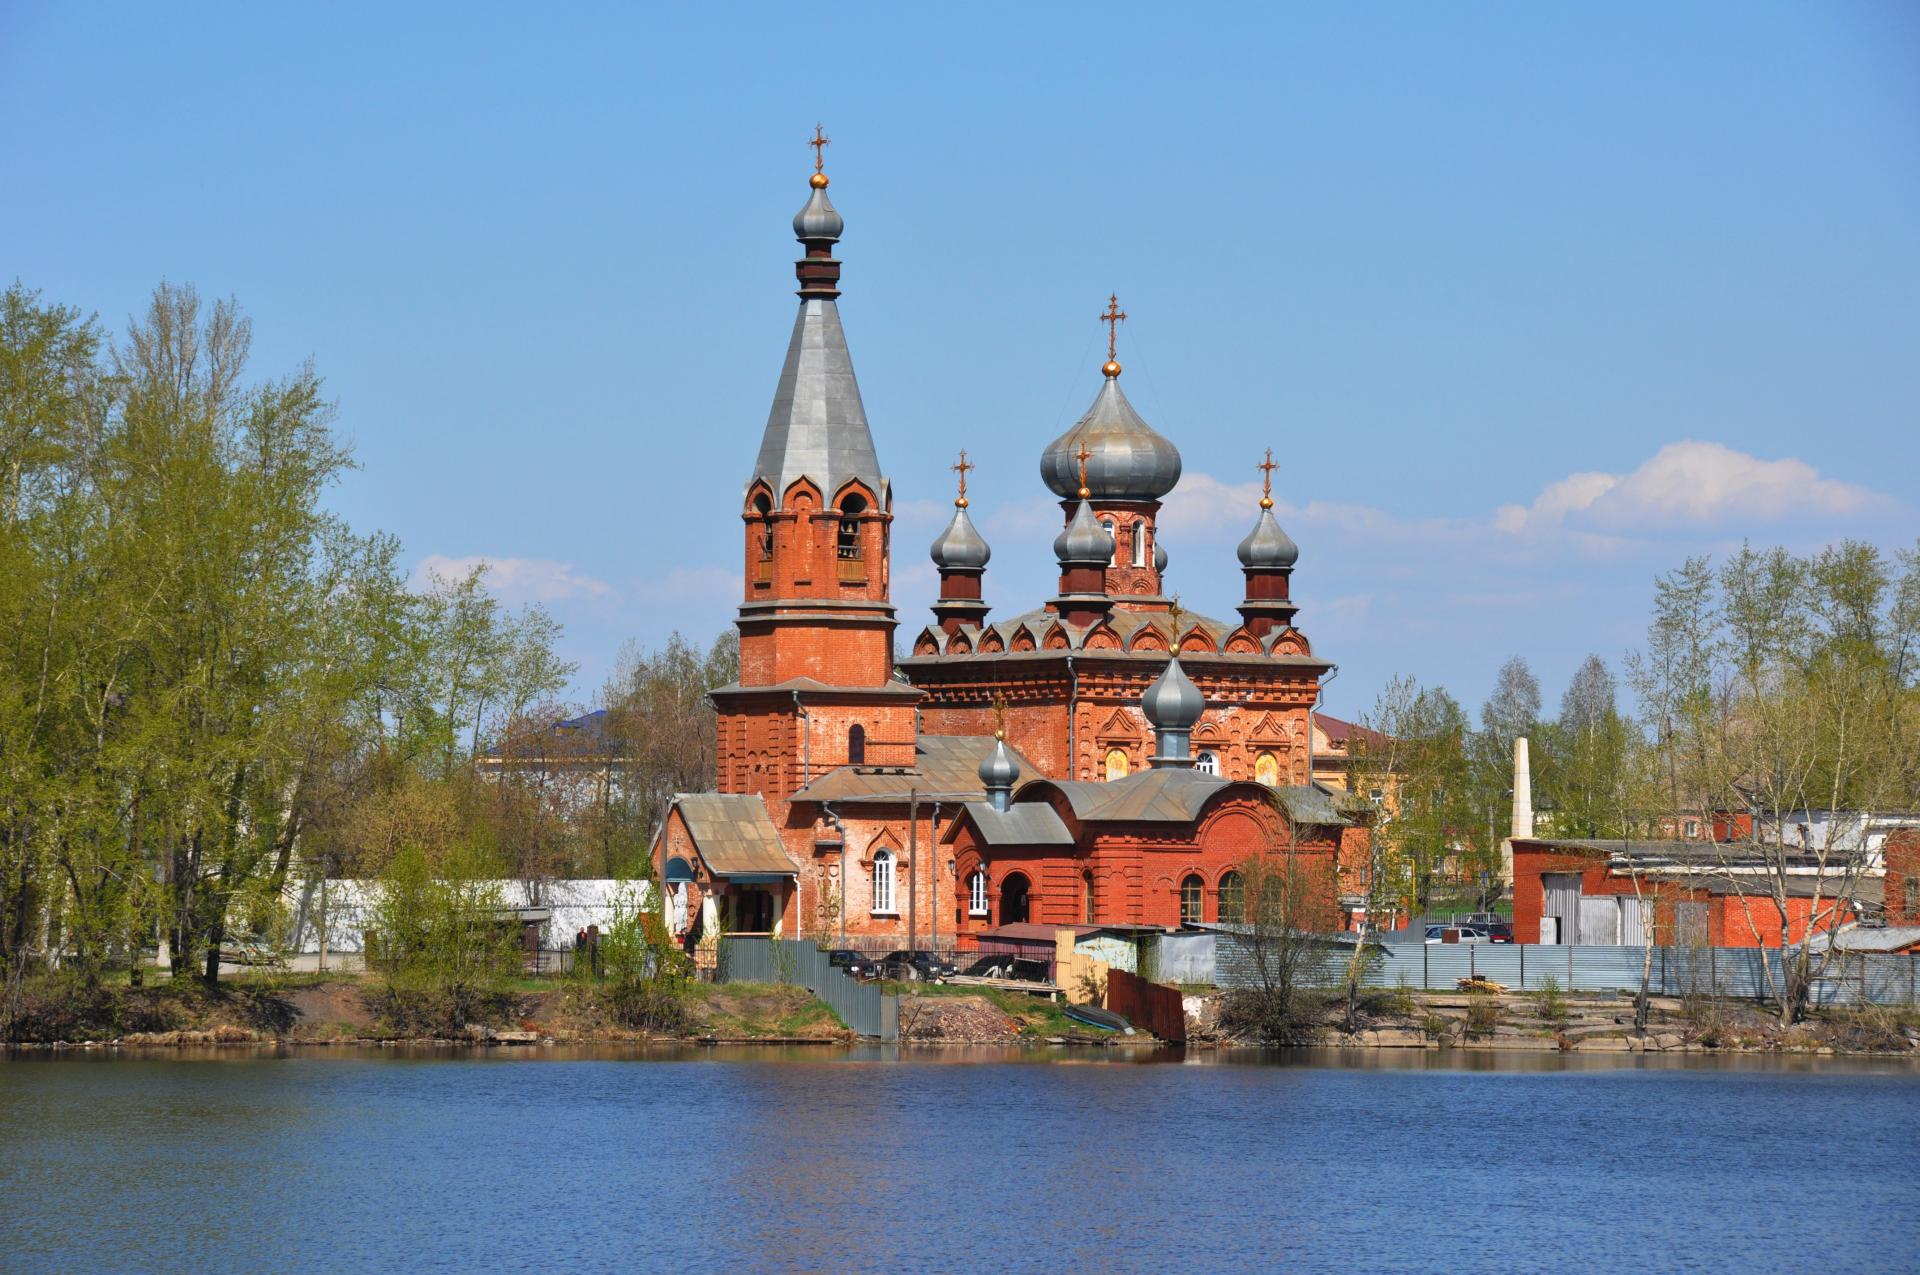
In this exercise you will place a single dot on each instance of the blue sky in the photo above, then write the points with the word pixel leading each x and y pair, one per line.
pixel 1530 301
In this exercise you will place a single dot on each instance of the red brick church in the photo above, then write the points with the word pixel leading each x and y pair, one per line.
pixel 1145 751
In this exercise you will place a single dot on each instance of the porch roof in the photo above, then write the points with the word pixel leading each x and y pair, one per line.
pixel 734 835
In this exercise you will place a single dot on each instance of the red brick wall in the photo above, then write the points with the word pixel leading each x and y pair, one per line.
pixel 1731 922
pixel 1902 850
pixel 1137 871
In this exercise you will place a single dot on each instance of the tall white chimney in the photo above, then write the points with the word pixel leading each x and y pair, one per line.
pixel 1522 790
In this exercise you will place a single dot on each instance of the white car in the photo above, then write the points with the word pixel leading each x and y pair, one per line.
pixel 1468 934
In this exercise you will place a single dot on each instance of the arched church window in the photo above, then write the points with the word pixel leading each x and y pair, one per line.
pixel 1207 763
pixel 977 894
pixel 1086 895
pixel 1116 764
pixel 1266 770
pixel 883 883
pixel 1233 899
pixel 857 745
pixel 1192 891
pixel 1139 544
pixel 1106 525
pixel 848 544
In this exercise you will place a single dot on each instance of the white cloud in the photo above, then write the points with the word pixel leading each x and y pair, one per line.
pixel 1689 482
pixel 514 579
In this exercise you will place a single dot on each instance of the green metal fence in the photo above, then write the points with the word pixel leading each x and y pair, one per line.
pixel 861 1006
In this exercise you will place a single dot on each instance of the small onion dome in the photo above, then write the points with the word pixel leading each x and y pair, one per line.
pixel 960 547
pixel 1173 702
pixel 1268 547
pixel 1084 543
pixel 819 219
pixel 1159 557
pixel 999 770
pixel 1129 460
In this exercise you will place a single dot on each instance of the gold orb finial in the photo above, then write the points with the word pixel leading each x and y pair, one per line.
pixel 1112 368
pixel 818 181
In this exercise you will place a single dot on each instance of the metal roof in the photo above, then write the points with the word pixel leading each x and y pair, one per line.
pixel 1028 824
pixel 817 428
pixel 948 765
pixel 1177 795
pixel 1128 461
pixel 733 834
pixel 1861 938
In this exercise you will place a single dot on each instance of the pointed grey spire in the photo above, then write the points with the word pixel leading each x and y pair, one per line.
pixel 818 426
pixel 1173 705
pixel 998 773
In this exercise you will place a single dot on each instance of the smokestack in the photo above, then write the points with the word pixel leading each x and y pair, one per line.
pixel 1522 791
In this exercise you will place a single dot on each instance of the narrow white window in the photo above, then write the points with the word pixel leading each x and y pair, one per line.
pixel 977 894
pixel 1106 525
pixel 883 882
pixel 1139 544
pixel 1207 764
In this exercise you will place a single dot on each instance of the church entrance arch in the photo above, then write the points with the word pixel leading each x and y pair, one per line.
pixel 1014 900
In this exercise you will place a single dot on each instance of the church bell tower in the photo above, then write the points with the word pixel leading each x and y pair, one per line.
pixel 816 686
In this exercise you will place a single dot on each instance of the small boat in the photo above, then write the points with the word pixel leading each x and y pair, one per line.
pixel 1094 1016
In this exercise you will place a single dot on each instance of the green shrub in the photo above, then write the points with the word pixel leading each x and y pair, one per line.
pixel 1553 1005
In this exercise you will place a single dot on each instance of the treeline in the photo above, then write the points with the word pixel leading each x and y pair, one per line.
pixel 211 685
pixel 1769 684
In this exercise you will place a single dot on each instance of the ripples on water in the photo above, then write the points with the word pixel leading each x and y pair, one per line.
pixel 793 1159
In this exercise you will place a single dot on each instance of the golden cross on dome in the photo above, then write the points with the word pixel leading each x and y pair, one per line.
pixel 1084 456
pixel 819 143
pixel 1175 612
pixel 962 469
pixel 1266 482
pixel 1113 318
pixel 999 715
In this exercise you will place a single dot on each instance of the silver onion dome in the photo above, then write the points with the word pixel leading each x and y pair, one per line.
pixel 819 219
pixel 1084 542
pixel 960 547
pixel 1159 557
pixel 1129 460
pixel 1173 702
pixel 1267 547
pixel 999 770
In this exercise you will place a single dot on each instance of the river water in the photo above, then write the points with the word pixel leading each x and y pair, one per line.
pixel 798 1160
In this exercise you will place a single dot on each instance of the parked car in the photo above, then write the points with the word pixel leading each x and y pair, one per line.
pixel 1499 928
pixel 1467 934
pixel 993 966
pixel 858 964
pixel 923 966
pixel 1004 965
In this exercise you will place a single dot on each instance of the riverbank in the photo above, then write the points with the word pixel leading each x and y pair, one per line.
pixel 317 1009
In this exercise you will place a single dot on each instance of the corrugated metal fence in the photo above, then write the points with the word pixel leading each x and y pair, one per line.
pixel 861 1006
pixel 1850 979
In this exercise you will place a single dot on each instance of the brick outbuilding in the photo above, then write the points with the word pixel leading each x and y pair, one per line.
pixel 1604 892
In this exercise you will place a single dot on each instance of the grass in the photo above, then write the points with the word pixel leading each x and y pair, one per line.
pixel 761 1011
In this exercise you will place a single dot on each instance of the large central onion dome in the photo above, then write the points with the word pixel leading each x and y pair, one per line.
pixel 1129 460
